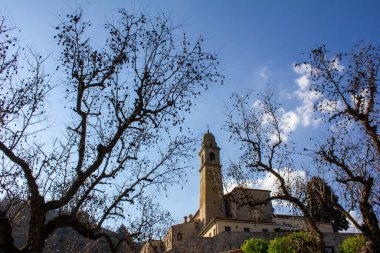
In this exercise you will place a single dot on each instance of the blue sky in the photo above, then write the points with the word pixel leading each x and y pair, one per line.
pixel 257 42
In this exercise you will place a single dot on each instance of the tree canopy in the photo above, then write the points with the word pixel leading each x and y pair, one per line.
pixel 352 244
pixel 255 245
pixel 300 242
pixel 320 202
pixel 348 88
pixel 124 98
pixel 345 87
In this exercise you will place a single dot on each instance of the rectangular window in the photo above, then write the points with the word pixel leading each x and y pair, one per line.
pixel 246 230
pixel 329 249
pixel 227 228
pixel 179 237
pixel 265 230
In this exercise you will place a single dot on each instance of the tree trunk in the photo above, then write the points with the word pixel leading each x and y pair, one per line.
pixel 313 228
pixel 373 243
pixel 36 236
pixel 320 245
pixel 6 239
pixel 370 228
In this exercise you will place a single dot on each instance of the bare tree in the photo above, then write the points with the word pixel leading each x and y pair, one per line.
pixel 259 130
pixel 348 84
pixel 119 146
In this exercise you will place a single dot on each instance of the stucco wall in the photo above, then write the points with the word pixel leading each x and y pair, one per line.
pixel 237 226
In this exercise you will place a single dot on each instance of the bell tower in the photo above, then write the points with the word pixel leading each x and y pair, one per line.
pixel 211 180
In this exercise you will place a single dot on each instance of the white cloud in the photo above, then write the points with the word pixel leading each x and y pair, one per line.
pixel 229 185
pixel 270 182
pixel 302 69
pixel 264 73
pixel 361 100
pixel 307 115
pixel 287 123
pixel 310 97
pixel 303 82
pixel 302 115
pixel 358 218
pixel 257 104
pixel 337 65
pixel 305 112
pixel 290 121
pixel 329 106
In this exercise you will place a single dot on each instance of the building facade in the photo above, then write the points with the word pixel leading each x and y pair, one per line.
pixel 224 221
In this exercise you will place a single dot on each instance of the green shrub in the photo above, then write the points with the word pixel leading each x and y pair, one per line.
pixel 280 245
pixel 352 244
pixel 299 242
pixel 255 245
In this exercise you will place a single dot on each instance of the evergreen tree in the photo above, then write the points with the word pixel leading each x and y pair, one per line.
pixel 122 231
pixel 320 203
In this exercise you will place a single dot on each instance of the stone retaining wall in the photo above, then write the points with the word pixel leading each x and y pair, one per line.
pixel 230 241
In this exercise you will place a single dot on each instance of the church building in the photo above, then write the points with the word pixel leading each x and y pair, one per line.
pixel 224 221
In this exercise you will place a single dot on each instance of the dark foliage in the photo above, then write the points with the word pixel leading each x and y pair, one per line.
pixel 320 202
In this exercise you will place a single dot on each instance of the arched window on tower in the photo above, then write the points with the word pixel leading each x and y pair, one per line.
pixel 212 157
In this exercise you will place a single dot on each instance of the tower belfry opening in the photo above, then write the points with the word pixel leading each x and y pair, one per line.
pixel 212 157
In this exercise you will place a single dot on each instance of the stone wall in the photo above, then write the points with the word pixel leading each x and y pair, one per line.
pixel 233 251
pixel 227 241
pixel 239 201
pixel 224 241
pixel 335 239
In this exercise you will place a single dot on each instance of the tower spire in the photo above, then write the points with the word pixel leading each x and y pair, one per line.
pixel 211 187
